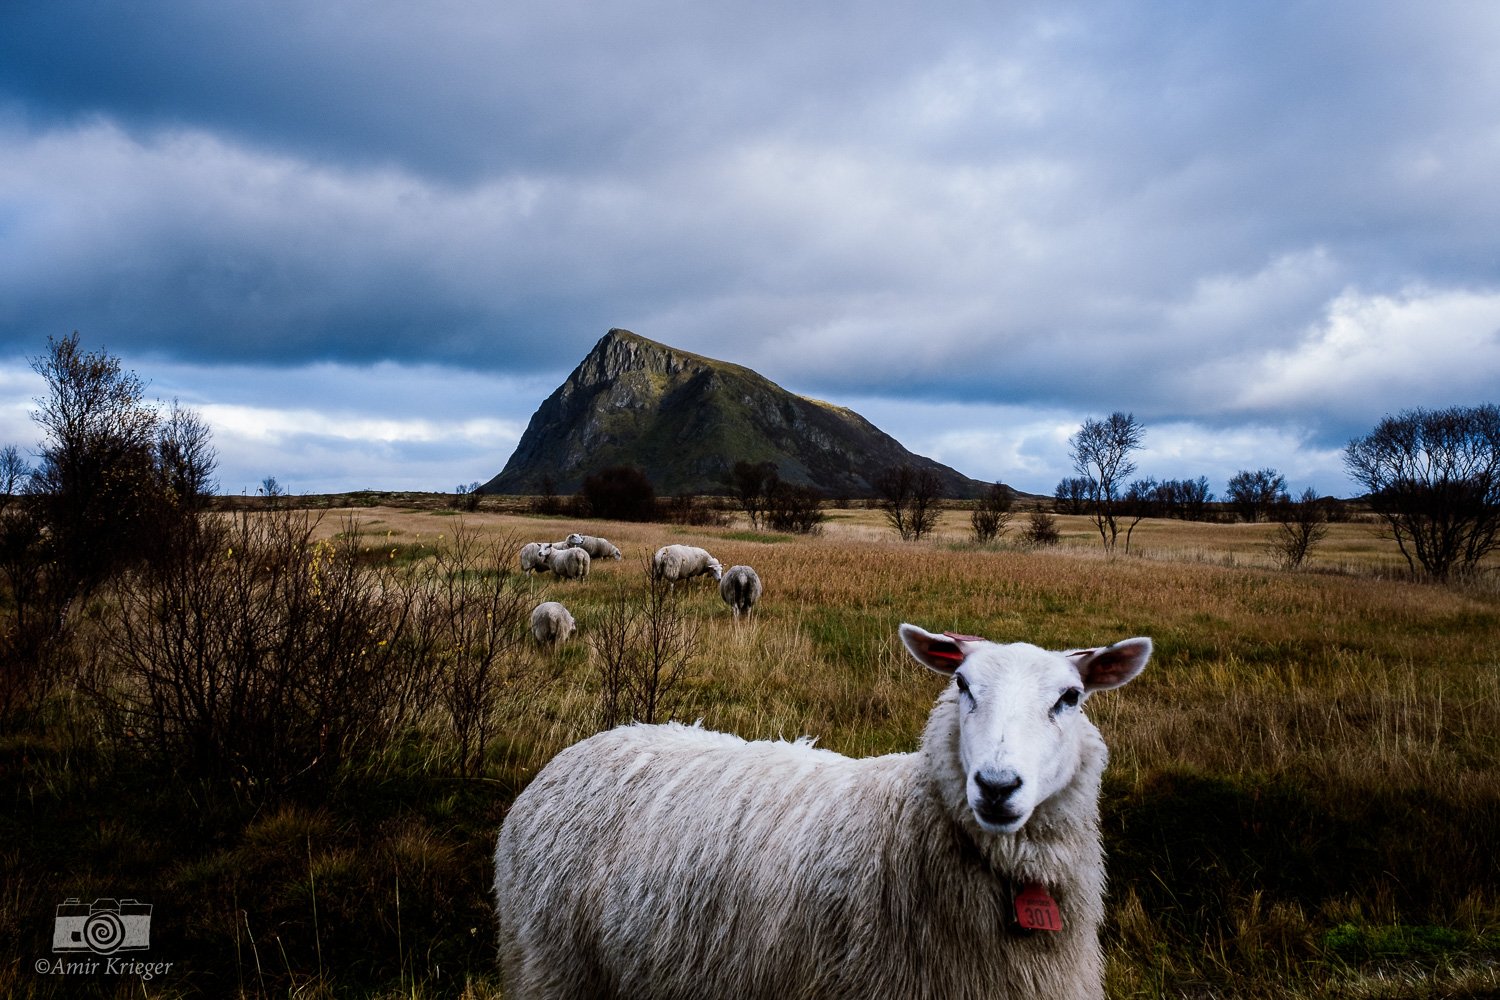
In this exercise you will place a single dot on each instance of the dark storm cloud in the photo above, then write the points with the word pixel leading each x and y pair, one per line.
pixel 1217 216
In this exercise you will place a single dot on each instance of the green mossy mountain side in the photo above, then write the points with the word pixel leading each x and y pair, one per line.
pixel 685 420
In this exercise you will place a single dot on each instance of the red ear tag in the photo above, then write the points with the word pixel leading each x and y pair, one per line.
pixel 1036 910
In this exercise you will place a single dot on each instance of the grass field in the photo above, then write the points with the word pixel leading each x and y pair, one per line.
pixel 1303 799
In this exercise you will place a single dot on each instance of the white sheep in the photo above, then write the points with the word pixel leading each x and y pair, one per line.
pixel 534 557
pixel 740 588
pixel 670 861
pixel 596 547
pixel 551 623
pixel 570 564
pixel 682 562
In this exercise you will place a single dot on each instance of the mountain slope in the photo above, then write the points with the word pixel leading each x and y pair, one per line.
pixel 686 419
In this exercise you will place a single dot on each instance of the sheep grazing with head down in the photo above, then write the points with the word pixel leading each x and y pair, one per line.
pixel 569 564
pixel 669 861
pixel 683 562
pixel 551 623
pixel 740 588
pixel 596 547
pixel 534 557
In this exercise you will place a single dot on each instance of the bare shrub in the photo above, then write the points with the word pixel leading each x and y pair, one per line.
pixel 546 501
pixel 618 493
pixel 643 643
pixel 909 497
pixel 263 658
pixel 1300 525
pixel 35 639
pixel 472 626
pixel 1041 530
pixel 466 497
pixel 794 508
pixel 992 513
pixel 751 483
pixel 692 509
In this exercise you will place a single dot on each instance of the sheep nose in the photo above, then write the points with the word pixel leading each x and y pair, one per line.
pixel 997 787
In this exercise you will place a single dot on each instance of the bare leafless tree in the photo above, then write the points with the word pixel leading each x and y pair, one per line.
pixel 1101 455
pixel 909 498
pixel 1071 495
pixel 992 513
pixel 1254 492
pixel 1433 477
pixel 1300 525
pixel 96 488
pixel 185 457
pixel 1142 499
pixel 14 471
pixel 751 483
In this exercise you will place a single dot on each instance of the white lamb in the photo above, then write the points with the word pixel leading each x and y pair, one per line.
pixel 551 623
pixel 570 564
pixel 683 562
pixel 740 588
pixel 534 557
pixel 596 547
pixel 674 862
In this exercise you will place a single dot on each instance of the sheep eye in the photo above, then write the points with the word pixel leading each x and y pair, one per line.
pixel 963 684
pixel 1069 699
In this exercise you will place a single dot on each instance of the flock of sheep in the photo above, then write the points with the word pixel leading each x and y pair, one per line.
pixel 671 861
pixel 571 558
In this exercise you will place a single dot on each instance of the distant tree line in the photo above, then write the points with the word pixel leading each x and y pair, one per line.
pixel 1431 476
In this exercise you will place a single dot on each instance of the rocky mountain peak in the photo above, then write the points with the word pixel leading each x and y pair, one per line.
pixel 686 419
pixel 620 352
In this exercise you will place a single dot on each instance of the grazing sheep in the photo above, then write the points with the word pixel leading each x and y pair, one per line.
pixel 740 589
pixel 551 622
pixel 534 557
pixel 682 562
pixel 596 547
pixel 570 564
pixel 669 861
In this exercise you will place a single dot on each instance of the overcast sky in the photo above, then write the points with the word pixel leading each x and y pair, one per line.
pixel 366 239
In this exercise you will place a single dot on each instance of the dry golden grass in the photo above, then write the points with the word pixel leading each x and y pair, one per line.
pixel 1348 670
pixel 1281 711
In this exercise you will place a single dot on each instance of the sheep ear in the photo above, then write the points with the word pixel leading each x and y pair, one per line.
pixel 1111 666
pixel 941 653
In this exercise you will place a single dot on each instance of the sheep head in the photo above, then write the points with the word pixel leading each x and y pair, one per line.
pixel 1021 729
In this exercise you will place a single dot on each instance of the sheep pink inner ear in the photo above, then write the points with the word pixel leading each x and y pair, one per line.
pixel 935 652
pixel 1113 666
pixel 946 653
